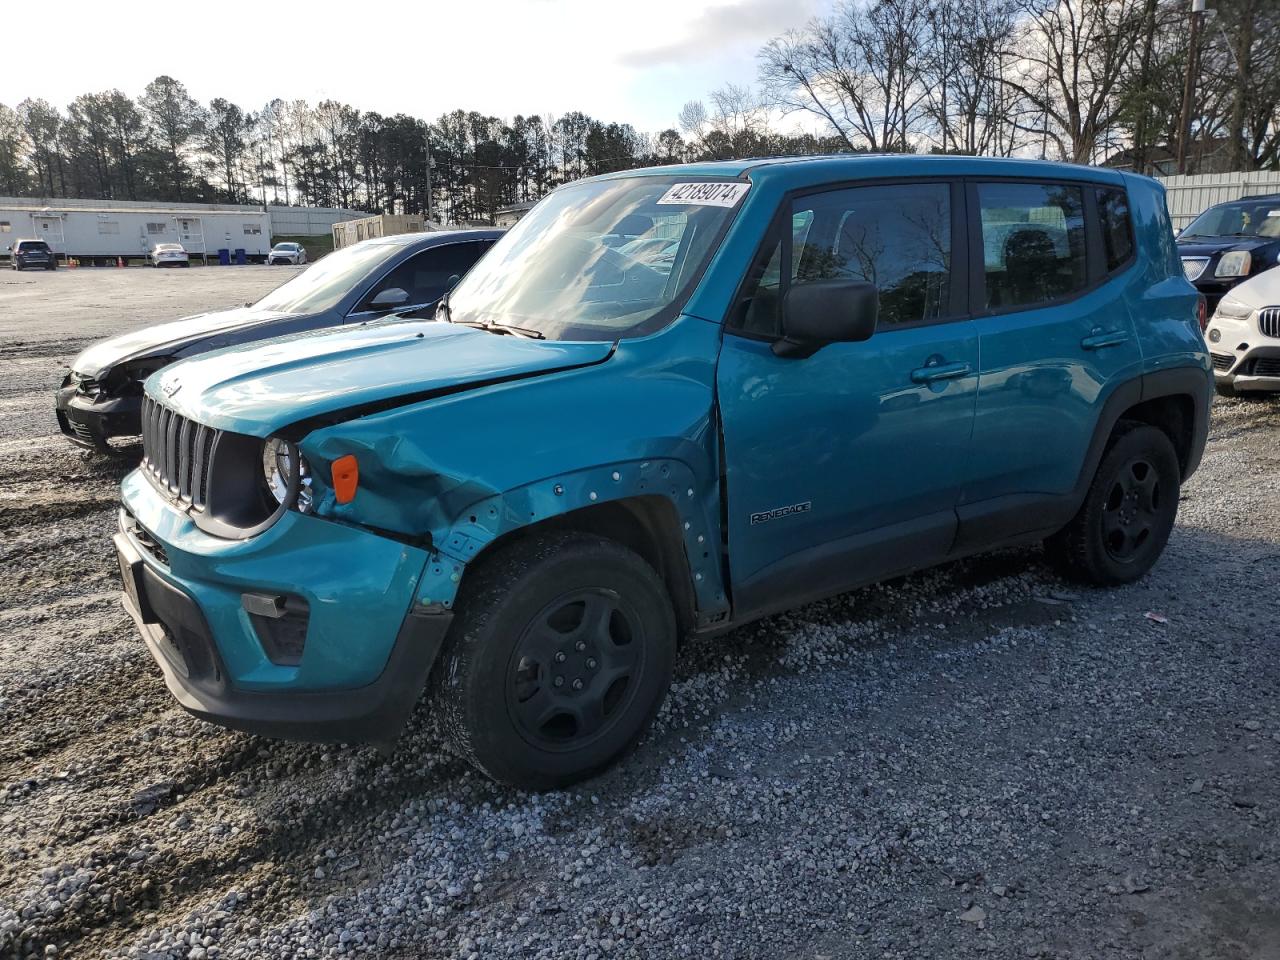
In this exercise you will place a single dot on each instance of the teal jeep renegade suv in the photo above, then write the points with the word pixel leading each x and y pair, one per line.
pixel 667 402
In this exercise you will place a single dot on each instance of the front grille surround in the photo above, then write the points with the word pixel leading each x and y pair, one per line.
pixel 177 453
pixel 1269 322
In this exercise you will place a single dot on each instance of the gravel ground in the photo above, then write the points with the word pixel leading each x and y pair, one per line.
pixel 978 761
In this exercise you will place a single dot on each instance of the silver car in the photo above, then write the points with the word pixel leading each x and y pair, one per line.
pixel 287 253
pixel 168 255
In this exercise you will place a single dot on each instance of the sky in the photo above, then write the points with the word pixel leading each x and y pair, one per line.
pixel 633 62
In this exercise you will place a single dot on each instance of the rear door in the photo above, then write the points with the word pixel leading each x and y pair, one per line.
pixel 1056 336
pixel 845 466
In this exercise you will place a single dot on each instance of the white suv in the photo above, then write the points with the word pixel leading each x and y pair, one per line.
pixel 1244 337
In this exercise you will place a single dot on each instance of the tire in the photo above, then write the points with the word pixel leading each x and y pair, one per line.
pixel 1224 389
pixel 1128 512
pixel 523 689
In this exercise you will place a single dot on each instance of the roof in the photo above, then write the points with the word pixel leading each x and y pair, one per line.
pixel 855 166
pixel 165 211
pixel 433 237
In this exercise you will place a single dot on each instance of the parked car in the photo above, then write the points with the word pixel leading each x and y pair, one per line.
pixel 25 254
pixel 293 253
pixel 1244 337
pixel 525 505
pixel 101 397
pixel 1229 243
pixel 168 255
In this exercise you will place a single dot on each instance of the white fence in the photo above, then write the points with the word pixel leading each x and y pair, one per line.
pixel 308 221
pixel 1188 197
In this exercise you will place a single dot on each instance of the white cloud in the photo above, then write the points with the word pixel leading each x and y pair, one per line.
pixel 624 62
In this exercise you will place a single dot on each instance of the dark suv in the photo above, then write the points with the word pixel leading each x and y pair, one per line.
pixel 1229 243
pixel 32 253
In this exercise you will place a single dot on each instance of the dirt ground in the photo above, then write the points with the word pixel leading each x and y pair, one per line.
pixel 977 761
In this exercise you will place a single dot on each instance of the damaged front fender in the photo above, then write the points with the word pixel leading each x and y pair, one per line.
pixel 464 471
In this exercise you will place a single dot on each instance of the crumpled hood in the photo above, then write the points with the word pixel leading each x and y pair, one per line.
pixel 159 340
pixel 261 388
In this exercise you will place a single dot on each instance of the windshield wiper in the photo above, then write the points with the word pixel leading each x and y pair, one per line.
pixel 503 328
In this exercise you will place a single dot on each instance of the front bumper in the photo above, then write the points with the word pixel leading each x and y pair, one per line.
pixel 1243 358
pixel 368 651
pixel 89 422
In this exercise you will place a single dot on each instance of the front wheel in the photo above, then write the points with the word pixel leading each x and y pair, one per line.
pixel 561 653
pixel 1128 512
pixel 1224 389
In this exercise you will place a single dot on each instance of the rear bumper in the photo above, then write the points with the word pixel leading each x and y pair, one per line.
pixel 368 650
pixel 89 423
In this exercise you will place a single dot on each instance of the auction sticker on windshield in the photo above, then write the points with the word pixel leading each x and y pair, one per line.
pixel 707 194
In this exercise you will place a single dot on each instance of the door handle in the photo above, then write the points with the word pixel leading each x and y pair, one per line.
pixel 933 372
pixel 1109 338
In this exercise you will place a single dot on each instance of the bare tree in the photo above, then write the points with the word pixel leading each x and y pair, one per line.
pixel 858 70
pixel 1071 58
pixel 969 108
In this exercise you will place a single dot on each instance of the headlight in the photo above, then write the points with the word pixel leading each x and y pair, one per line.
pixel 1234 309
pixel 282 468
pixel 1234 264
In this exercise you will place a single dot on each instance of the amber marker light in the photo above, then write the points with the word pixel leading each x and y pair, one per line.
pixel 346 477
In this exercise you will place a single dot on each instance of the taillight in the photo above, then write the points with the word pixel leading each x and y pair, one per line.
pixel 1202 312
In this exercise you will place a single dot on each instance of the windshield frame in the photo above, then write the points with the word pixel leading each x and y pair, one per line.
pixel 652 323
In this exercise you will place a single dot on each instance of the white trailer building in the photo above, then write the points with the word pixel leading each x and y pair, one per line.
pixel 103 233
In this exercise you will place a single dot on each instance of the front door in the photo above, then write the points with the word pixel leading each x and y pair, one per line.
pixel 191 234
pixel 845 466
pixel 49 229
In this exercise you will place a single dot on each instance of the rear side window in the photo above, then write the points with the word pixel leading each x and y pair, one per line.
pixel 1117 231
pixel 1033 243
pixel 897 237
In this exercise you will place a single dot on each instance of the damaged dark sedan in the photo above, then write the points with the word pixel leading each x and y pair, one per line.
pixel 101 396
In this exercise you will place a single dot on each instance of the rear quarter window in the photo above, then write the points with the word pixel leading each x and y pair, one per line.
pixel 1117 228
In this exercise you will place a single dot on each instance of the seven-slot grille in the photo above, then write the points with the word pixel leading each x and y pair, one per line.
pixel 1269 321
pixel 176 452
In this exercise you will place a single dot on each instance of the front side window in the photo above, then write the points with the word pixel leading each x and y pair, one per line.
pixel 895 236
pixel 1033 243
pixel 580 264
pixel 425 276
pixel 1117 232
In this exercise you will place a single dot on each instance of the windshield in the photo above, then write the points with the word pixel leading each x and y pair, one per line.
pixel 321 286
pixel 1237 220
pixel 289 247
pixel 26 245
pixel 600 260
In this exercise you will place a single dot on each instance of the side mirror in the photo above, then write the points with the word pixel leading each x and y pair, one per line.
pixel 820 312
pixel 391 297
pixel 451 282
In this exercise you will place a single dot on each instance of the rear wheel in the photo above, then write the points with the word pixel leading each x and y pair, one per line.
pixel 1128 512
pixel 560 655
